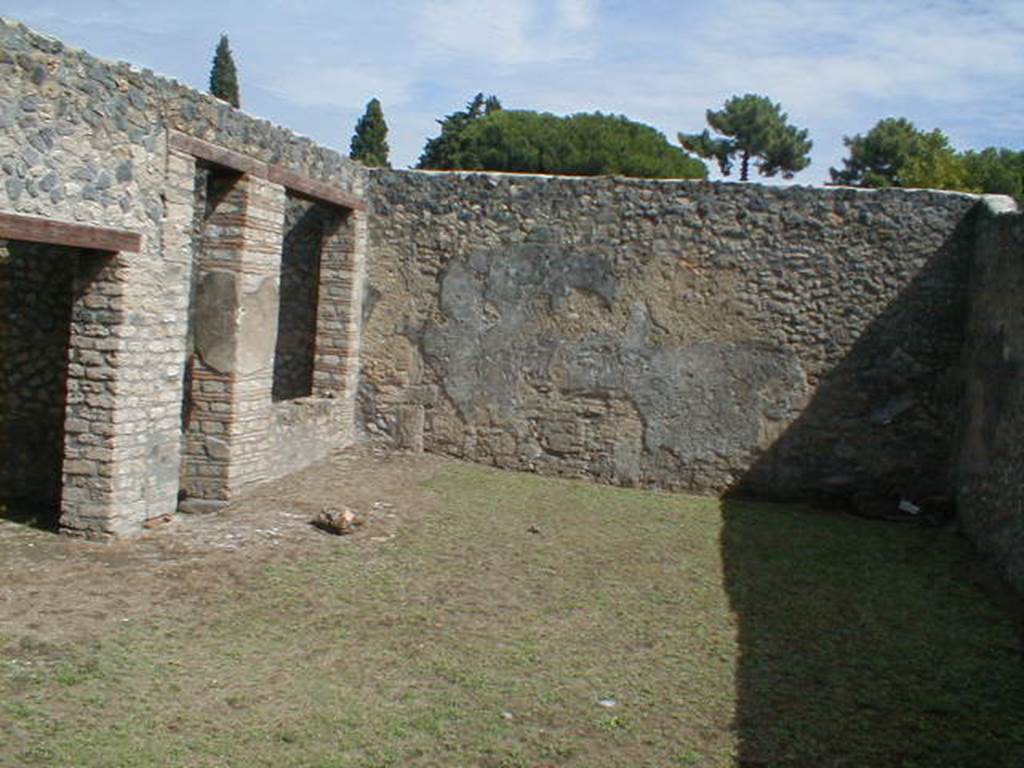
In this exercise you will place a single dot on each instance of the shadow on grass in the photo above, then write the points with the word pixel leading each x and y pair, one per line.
pixel 865 643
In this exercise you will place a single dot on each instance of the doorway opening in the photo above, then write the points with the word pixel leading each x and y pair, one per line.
pixel 40 284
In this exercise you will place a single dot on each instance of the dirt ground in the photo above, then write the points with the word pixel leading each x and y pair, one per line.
pixel 54 586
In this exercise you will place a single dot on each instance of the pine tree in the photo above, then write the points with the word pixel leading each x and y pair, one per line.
pixel 370 141
pixel 755 129
pixel 446 151
pixel 223 75
pixel 522 141
pixel 896 154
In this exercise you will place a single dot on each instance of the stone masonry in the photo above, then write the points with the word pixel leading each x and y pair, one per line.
pixel 684 335
pixel 990 465
pixel 170 344
pixel 193 300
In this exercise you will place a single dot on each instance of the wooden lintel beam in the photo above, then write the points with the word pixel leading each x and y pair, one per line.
pixel 318 190
pixel 36 229
pixel 278 174
pixel 217 155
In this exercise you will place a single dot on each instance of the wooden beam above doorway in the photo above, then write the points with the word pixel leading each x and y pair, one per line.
pixel 38 229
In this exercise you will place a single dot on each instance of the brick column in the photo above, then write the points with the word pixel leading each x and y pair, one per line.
pixel 122 431
pixel 340 306
pixel 101 486
pixel 235 328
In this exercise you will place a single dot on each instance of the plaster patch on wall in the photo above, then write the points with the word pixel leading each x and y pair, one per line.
pixel 258 327
pixel 497 355
pixel 216 313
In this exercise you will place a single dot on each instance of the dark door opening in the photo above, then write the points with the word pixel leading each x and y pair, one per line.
pixel 304 225
pixel 37 287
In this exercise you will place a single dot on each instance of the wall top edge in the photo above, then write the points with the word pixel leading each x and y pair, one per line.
pixel 640 181
pixel 1000 205
pixel 232 124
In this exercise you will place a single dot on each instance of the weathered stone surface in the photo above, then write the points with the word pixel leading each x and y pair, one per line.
pixel 677 334
pixel 409 431
pixel 216 319
pixel 258 328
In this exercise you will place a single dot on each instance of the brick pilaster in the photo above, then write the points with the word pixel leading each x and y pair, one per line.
pixel 235 329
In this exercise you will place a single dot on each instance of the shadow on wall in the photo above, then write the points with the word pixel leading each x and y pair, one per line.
pixel 296 323
pixel 864 643
pixel 38 287
pixel 880 425
pixel 990 492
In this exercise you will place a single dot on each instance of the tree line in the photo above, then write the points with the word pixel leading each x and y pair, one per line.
pixel 749 133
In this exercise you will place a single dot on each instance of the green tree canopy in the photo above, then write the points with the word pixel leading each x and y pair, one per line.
pixel 582 144
pixel 896 154
pixel 994 170
pixel 754 129
pixel 441 152
pixel 223 75
pixel 370 140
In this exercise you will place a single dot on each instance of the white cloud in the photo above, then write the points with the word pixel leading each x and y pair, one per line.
pixel 469 28
pixel 836 68
pixel 576 14
pixel 507 33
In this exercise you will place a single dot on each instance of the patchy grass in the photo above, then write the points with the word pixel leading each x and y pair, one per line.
pixel 489 633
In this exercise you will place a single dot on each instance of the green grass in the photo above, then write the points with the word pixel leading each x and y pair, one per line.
pixel 727 633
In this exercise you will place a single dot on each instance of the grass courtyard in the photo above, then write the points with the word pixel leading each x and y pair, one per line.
pixel 504 619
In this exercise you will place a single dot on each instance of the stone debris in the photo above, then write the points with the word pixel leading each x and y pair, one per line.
pixel 339 522
pixel 201 506
pixel 155 522
pixel 909 507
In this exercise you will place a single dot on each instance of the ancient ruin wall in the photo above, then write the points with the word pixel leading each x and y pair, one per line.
pixel 673 334
pixel 990 469
pixel 684 335
pixel 90 142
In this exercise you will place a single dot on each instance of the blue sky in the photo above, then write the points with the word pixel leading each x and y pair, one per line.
pixel 836 67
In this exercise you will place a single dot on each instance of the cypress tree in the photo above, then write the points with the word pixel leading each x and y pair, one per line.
pixel 223 75
pixel 370 141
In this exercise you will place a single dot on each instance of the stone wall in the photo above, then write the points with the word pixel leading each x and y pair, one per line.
pixel 682 335
pixel 679 335
pixel 90 142
pixel 990 481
